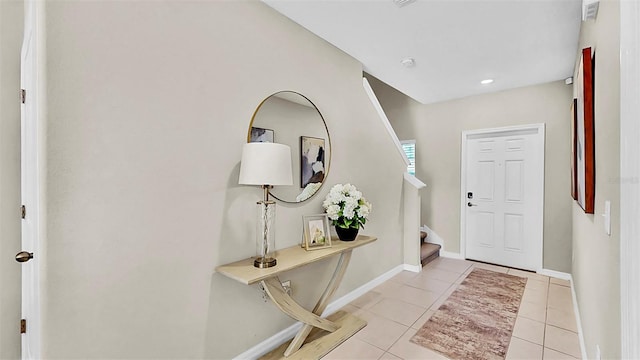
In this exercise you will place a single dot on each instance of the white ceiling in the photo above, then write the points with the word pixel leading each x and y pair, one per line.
pixel 455 43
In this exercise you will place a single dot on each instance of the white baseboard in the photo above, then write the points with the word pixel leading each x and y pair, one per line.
pixel 271 343
pixel 555 274
pixel 451 255
pixel 412 268
pixel 288 333
pixel 345 299
pixel 576 311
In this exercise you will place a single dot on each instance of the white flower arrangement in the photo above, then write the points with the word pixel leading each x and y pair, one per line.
pixel 346 207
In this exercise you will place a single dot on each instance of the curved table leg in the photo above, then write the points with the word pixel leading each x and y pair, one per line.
pixel 322 303
pixel 284 302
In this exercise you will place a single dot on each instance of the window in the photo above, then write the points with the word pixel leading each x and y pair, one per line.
pixel 409 147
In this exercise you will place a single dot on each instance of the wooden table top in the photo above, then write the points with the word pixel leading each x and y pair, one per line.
pixel 288 259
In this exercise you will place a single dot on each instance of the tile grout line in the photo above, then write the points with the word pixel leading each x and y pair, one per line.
pixel 563 353
pixel 560 351
pixel 395 342
pixel 516 320
pixel 376 346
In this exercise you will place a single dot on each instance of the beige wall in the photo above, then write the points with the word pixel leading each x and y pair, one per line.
pixel 11 13
pixel 596 265
pixel 437 129
pixel 148 108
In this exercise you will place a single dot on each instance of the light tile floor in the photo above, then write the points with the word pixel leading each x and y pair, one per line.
pixel 545 327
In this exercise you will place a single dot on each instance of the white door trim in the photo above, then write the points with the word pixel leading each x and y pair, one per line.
pixel 539 130
pixel 34 37
pixel 629 178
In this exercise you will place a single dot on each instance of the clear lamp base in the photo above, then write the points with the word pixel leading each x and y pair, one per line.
pixel 265 234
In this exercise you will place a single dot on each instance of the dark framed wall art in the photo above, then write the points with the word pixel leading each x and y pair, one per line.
pixel 574 178
pixel 585 134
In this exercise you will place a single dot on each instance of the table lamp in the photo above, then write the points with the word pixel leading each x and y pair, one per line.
pixel 266 165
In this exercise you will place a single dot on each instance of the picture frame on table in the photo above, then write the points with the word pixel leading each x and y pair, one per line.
pixel 316 232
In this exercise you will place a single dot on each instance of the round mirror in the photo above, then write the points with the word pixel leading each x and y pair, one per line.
pixel 290 118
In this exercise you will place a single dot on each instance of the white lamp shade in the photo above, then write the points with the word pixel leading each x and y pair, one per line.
pixel 266 164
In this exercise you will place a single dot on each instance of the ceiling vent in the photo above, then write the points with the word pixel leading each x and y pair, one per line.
pixel 590 9
pixel 401 3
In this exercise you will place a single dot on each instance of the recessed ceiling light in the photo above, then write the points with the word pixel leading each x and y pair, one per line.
pixel 486 81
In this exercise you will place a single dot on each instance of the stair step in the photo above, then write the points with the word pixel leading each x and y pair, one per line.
pixel 429 252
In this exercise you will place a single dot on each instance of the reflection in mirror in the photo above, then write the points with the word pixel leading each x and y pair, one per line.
pixel 290 118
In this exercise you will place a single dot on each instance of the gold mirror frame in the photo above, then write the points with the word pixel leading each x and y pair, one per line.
pixel 327 164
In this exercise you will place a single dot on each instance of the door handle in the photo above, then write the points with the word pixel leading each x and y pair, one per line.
pixel 469 204
pixel 24 256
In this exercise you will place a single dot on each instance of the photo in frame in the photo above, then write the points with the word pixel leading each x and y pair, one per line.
pixel 312 166
pixel 585 135
pixel 316 231
pixel 261 135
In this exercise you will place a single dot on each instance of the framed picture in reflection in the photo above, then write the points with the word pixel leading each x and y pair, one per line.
pixel 261 135
pixel 312 166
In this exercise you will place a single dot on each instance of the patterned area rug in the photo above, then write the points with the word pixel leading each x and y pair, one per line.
pixel 476 321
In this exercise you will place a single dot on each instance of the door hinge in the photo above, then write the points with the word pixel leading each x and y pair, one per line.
pixel 23 95
pixel 23 326
pixel 23 211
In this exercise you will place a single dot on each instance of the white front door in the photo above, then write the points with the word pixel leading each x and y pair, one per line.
pixel 30 193
pixel 503 196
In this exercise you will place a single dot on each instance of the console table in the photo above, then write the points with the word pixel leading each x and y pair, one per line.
pixel 337 328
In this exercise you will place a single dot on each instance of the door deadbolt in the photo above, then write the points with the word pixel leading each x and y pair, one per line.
pixel 24 256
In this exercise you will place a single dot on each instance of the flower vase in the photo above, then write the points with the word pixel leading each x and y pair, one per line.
pixel 349 234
